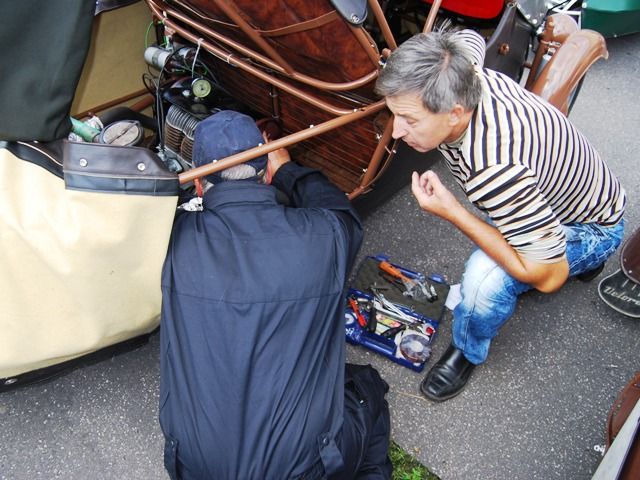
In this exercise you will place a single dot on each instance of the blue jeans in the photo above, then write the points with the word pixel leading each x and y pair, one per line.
pixel 489 294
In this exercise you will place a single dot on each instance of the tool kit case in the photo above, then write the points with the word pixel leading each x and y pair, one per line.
pixel 394 314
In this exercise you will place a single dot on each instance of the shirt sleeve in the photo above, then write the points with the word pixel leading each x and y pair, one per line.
pixel 474 44
pixel 309 188
pixel 510 196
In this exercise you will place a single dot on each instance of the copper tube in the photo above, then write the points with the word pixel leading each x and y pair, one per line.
pixel 228 7
pixel 297 137
pixel 374 5
pixel 256 72
pixel 431 18
pixel 112 103
pixel 314 82
pixel 142 103
pixel 365 41
pixel 376 159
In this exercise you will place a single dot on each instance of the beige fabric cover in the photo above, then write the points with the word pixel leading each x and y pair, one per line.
pixel 78 270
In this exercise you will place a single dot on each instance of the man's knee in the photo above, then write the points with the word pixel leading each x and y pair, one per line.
pixel 484 283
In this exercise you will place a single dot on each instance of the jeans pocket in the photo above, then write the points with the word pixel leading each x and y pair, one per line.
pixel 171 457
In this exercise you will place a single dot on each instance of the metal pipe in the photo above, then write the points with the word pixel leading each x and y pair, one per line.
pixel 365 41
pixel 431 18
pixel 347 116
pixel 256 72
pixel 112 103
pixel 312 131
pixel 230 11
pixel 142 103
pixel 374 164
pixel 374 6
pixel 331 86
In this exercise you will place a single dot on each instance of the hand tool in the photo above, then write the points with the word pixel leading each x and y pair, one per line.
pixel 372 324
pixel 366 304
pixel 394 282
pixel 392 332
pixel 356 309
pixel 383 305
pixel 415 288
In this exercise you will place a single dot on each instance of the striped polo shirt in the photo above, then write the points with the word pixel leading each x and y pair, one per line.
pixel 524 164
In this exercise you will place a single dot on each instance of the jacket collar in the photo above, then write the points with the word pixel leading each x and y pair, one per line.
pixel 238 191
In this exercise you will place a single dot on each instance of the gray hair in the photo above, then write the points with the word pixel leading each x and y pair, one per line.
pixel 238 172
pixel 241 171
pixel 435 66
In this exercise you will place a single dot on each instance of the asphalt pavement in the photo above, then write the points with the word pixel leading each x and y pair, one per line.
pixel 535 410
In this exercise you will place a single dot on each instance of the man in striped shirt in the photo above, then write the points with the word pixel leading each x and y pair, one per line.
pixel 554 208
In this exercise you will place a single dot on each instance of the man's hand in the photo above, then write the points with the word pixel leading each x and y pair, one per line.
pixel 277 158
pixel 433 196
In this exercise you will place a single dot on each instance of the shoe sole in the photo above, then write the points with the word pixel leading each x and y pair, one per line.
pixel 439 399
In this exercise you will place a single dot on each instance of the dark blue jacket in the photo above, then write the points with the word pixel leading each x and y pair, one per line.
pixel 252 330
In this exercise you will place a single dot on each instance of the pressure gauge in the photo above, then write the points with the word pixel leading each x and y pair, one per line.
pixel 201 87
pixel 125 133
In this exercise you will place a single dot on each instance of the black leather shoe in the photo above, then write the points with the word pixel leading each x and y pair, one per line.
pixel 591 274
pixel 447 378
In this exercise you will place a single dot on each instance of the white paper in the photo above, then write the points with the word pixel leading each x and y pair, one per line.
pixel 454 297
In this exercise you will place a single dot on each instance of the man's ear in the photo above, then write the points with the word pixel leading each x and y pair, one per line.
pixel 456 114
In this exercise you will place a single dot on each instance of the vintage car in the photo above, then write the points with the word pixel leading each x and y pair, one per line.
pixel 93 163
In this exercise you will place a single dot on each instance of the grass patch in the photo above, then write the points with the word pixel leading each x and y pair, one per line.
pixel 406 467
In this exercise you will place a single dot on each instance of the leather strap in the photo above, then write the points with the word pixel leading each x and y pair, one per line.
pixel 323 19
pixel 301 26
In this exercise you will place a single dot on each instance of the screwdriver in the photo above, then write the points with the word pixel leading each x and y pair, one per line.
pixel 354 306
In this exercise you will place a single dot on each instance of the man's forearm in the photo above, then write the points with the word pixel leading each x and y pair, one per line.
pixel 309 188
pixel 546 277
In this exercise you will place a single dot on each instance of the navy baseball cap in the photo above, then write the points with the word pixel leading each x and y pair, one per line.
pixel 223 134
